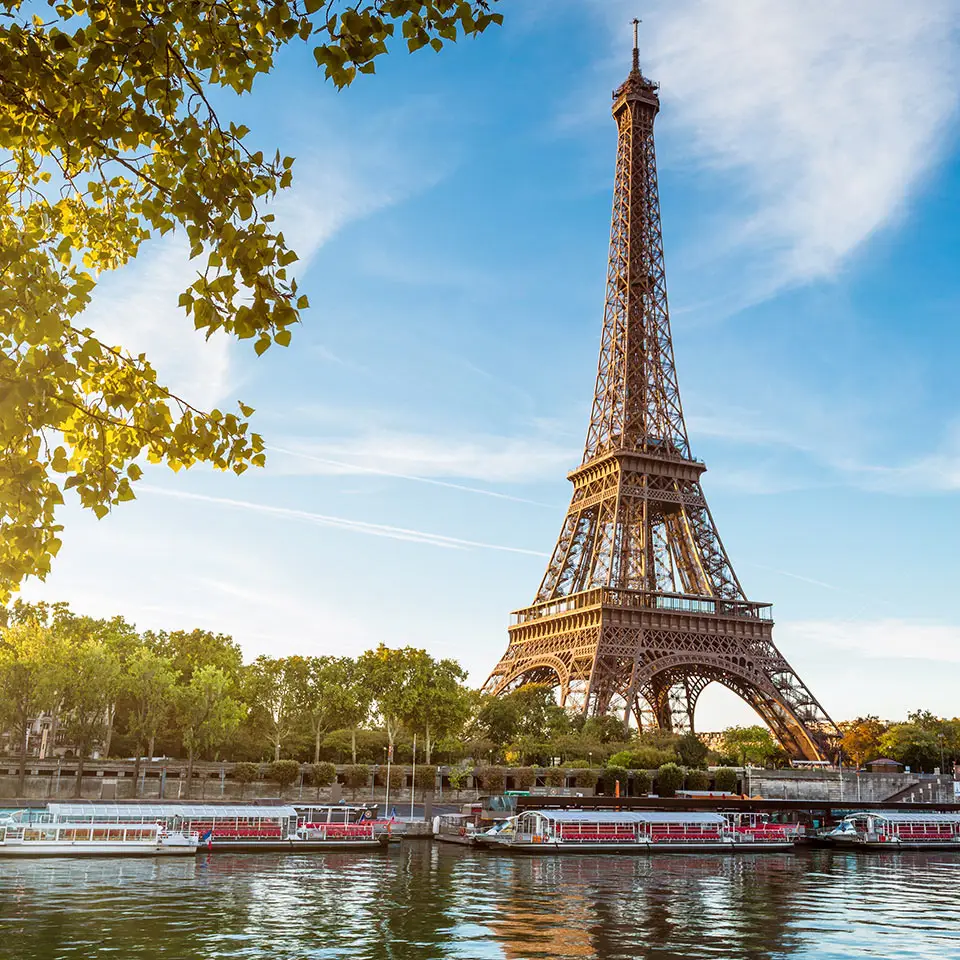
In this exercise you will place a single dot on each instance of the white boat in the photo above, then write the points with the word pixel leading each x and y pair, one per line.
pixel 896 830
pixel 94 840
pixel 639 831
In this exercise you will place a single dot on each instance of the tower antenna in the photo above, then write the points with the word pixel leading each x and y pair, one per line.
pixel 636 45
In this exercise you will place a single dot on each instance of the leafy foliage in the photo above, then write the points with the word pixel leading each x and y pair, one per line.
pixel 692 751
pixel 749 744
pixel 642 781
pixel 283 773
pixel 669 779
pixel 697 780
pixel 492 779
pixel 322 774
pixel 725 779
pixel 110 140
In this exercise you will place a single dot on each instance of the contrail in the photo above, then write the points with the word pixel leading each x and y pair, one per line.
pixel 356 468
pixel 343 523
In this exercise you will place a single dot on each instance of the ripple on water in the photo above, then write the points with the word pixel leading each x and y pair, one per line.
pixel 439 901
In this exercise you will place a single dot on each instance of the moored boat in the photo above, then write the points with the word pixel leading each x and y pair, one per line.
pixel 896 830
pixel 460 828
pixel 92 839
pixel 227 827
pixel 639 831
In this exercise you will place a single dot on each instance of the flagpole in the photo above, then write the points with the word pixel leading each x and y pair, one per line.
pixel 386 799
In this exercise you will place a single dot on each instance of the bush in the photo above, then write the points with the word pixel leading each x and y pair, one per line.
pixel 586 778
pixel 555 776
pixel 725 779
pixel 458 777
pixel 356 776
pixel 698 780
pixel 610 777
pixel 525 778
pixel 669 779
pixel 321 775
pixel 692 750
pixel 641 782
pixel 283 773
pixel 642 758
pixel 491 779
pixel 244 773
pixel 425 777
pixel 397 776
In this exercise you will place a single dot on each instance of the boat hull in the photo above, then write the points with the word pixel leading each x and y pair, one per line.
pixel 41 849
pixel 892 846
pixel 728 846
pixel 297 846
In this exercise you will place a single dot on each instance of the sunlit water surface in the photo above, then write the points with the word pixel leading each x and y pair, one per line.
pixel 423 901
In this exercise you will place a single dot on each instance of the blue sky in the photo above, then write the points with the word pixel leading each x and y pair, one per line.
pixel 452 216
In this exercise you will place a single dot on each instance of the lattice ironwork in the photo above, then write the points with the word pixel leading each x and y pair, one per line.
pixel 640 608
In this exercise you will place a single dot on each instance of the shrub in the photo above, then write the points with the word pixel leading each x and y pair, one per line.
pixel 397 776
pixel 458 777
pixel 491 779
pixel 283 773
pixel 725 779
pixel 642 758
pixel 610 777
pixel 586 778
pixel 555 776
pixel 525 777
pixel 425 777
pixel 641 782
pixel 245 773
pixel 356 776
pixel 698 780
pixel 669 779
pixel 321 775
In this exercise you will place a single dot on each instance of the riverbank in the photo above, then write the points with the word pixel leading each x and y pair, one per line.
pixel 167 780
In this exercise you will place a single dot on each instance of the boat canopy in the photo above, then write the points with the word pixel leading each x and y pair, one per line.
pixel 628 816
pixel 163 811
pixel 904 816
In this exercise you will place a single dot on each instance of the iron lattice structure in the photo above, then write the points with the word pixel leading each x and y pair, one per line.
pixel 640 607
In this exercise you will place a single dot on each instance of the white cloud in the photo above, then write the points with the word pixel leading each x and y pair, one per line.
pixel 492 459
pixel 824 116
pixel 876 639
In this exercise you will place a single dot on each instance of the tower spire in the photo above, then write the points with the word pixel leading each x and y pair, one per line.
pixel 636 45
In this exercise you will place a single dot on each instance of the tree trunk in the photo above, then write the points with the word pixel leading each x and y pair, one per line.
pixel 189 771
pixel 150 746
pixel 276 751
pixel 316 747
pixel 136 770
pixel 22 768
pixel 78 789
pixel 429 744
pixel 111 713
pixel 353 744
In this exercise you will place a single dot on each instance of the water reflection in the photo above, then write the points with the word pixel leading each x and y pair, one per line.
pixel 425 902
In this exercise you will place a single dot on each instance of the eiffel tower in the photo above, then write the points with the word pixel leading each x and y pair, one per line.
pixel 640 608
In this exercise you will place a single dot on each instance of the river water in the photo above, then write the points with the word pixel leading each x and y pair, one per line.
pixel 425 901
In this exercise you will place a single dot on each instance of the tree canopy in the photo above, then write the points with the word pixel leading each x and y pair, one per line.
pixel 108 138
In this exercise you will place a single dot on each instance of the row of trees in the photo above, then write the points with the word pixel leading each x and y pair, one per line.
pixel 924 742
pixel 103 685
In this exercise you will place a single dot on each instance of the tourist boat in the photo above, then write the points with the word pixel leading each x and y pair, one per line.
pixel 343 826
pixel 500 833
pixel 896 830
pixel 63 839
pixel 758 831
pixel 640 831
pixel 231 827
